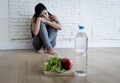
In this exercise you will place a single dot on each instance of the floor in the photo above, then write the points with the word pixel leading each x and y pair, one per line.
pixel 25 66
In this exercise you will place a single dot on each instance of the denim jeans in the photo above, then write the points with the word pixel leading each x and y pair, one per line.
pixel 46 37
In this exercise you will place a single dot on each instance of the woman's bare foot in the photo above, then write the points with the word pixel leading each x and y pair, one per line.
pixel 51 51
pixel 41 51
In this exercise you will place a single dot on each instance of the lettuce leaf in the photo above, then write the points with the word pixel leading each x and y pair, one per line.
pixel 54 65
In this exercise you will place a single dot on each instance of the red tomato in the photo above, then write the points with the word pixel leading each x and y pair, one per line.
pixel 66 63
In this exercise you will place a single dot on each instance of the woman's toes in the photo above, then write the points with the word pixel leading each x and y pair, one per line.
pixel 52 53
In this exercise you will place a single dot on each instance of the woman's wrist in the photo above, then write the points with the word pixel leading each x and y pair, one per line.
pixel 47 22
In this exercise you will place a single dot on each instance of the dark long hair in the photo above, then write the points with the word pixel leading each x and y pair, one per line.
pixel 38 9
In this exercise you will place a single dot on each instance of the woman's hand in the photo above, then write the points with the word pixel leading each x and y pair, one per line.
pixel 55 23
pixel 43 20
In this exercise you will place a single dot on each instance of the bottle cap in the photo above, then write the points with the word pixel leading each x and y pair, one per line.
pixel 81 27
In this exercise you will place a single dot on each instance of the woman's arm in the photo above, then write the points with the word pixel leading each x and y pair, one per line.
pixel 36 25
pixel 57 25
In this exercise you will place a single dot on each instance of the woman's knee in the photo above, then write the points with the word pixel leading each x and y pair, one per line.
pixel 42 24
pixel 43 27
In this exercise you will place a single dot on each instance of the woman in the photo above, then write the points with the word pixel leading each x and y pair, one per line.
pixel 44 30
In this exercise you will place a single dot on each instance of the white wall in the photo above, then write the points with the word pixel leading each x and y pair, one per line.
pixel 105 26
pixel 4 29
pixel 100 17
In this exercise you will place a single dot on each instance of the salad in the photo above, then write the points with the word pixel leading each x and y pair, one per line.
pixel 56 64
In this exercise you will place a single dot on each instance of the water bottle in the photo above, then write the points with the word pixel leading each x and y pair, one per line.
pixel 81 40
pixel 81 46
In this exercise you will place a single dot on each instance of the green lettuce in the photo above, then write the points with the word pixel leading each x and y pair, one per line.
pixel 54 65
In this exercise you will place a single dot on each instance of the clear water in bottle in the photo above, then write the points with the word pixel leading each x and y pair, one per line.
pixel 81 40
pixel 81 45
pixel 81 64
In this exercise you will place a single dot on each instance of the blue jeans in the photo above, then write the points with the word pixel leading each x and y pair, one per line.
pixel 46 37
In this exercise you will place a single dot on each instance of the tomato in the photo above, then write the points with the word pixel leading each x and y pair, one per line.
pixel 66 63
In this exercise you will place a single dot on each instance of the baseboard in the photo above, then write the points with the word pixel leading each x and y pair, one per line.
pixel 29 46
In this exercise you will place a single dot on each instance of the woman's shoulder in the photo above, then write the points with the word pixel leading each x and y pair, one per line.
pixel 33 19
pixel 53 17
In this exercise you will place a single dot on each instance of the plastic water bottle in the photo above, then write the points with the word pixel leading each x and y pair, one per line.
pixel 81 40
pixel 81 46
